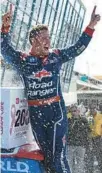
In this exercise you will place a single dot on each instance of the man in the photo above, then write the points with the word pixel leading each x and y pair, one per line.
pixel 40 71
pixel 82 109
pixel 78 140
pixel 100 108
pixel 95 122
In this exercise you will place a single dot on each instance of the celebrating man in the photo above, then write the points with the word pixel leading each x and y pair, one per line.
pixel 40 70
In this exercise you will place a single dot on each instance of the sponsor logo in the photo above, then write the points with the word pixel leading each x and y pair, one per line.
pixel 17 100
pixel 41 93
pixel 16 167
pixel 43 85
pixel 80 49
pixel 1 108
pixel 13 116
pixel 41 89
pixel 19 118
pixel 1 125
pixel 41 74
pixel 23 101
pixel 32 59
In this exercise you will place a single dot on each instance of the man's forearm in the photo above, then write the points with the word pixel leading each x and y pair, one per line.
pixel 8 52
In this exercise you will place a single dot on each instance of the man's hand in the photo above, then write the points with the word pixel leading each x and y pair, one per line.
pixel 7 18
pixel 94 19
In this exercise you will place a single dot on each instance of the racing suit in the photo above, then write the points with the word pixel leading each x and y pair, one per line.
pixel 46 104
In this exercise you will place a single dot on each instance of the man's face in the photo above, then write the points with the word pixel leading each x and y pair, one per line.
pixel 41 43
pixel 100 107
pixel 74 112
pixel 93 110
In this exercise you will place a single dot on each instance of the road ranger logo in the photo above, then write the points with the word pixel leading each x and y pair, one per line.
pixel 36 85
pixel 41 89
pixel 41 74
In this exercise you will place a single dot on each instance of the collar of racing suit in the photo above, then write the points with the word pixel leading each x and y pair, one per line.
pixel 44 59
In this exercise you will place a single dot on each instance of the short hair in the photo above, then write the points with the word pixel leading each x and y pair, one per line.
pixel 35 31
pixel 73 106
pixel 92 105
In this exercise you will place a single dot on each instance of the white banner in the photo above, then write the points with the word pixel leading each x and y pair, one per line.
pixel 15 128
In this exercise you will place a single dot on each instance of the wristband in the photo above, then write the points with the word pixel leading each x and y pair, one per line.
pixel 89 31
pixel 5 29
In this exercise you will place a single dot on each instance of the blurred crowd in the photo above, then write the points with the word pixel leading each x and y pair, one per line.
pixel 84 138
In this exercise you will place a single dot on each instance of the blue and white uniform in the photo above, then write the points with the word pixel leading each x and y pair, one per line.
pixel 46 104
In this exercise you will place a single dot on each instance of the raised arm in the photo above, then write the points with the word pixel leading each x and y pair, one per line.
pixel 8 52
pixel 67 54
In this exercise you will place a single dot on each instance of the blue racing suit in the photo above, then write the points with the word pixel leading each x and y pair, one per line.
pixel 46 104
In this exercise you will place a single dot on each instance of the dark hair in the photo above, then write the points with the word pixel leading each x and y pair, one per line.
pixel 73 106
pixel 92 105
pixel 35 31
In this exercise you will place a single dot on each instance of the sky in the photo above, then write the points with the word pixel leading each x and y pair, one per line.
pixel 90 61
